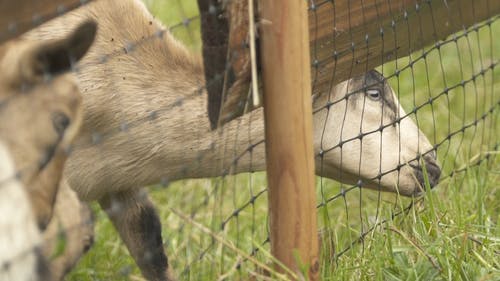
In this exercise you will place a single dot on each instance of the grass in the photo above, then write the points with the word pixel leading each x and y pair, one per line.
pixel 452 234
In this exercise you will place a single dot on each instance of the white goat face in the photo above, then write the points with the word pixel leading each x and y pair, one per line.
pixel 360 138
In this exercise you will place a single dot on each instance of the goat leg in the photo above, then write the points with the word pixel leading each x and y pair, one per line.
pixel 136 220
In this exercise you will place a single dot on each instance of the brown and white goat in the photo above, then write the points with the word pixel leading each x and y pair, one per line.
pixel 40 114
pixel 131 88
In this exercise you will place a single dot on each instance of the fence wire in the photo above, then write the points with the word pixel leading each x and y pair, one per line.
pixel 216 226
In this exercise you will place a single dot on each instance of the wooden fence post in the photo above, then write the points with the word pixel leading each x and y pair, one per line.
pixel 286 70
pixel 19 16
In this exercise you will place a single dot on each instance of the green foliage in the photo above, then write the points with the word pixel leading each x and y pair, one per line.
pixel 181 17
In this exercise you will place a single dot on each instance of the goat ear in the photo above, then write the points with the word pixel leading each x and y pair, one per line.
pixel 56 57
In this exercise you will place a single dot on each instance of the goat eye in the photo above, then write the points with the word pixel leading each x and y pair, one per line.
pixel 60 121
pixel 374 94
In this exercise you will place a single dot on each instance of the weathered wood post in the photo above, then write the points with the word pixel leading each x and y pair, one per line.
pixel 288 120
pixel 19 16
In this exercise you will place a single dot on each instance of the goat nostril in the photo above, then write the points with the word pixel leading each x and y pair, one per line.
pixel 430 156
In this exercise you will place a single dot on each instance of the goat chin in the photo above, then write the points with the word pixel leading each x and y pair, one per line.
pixel 402 182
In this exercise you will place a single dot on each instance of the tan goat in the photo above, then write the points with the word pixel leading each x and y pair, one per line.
pixel 40 114
pixel 132 88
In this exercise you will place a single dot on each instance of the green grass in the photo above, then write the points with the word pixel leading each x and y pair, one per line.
pixel 178 16
pixel 452 234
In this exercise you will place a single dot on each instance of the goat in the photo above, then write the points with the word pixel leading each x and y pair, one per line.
pixel 40 115
pixel 137 81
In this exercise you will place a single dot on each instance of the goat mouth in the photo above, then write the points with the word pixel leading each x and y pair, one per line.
pixel 433 175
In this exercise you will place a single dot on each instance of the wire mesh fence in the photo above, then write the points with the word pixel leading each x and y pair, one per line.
pixel 375 143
